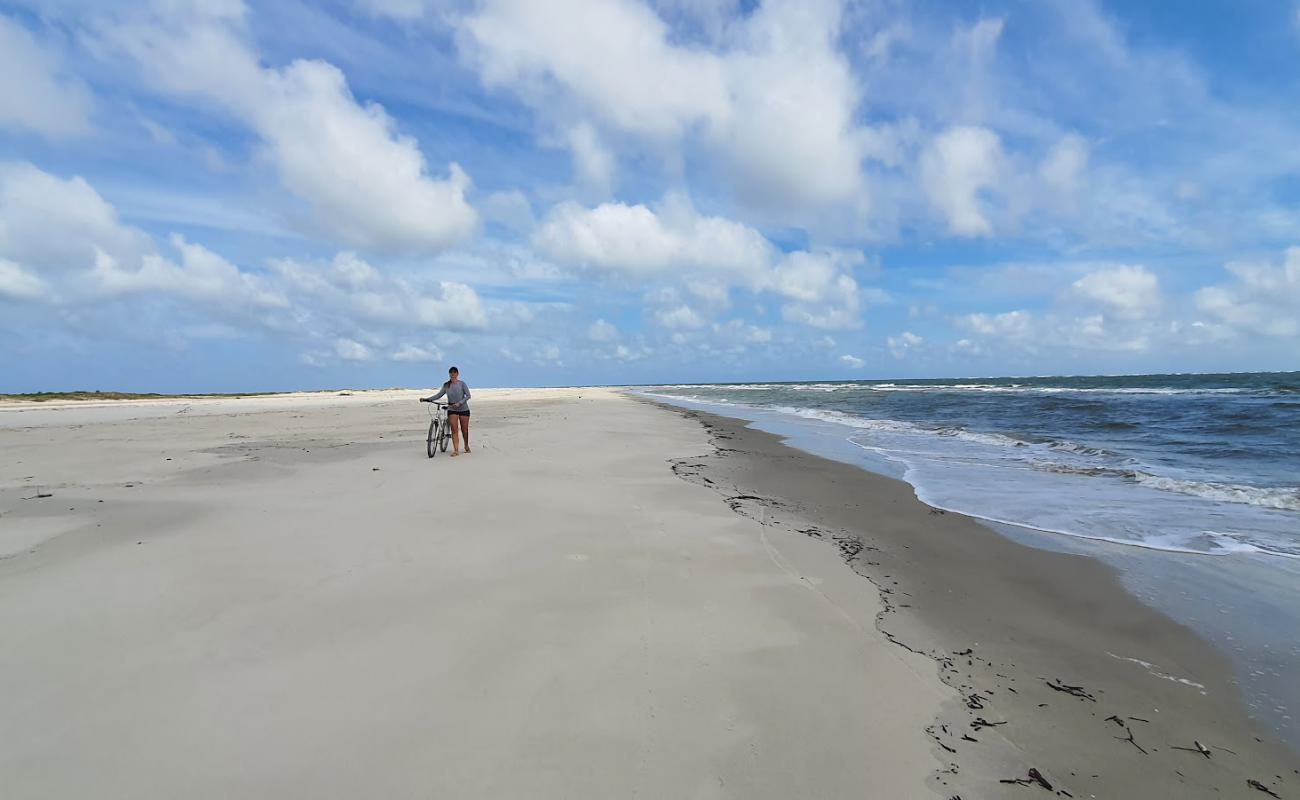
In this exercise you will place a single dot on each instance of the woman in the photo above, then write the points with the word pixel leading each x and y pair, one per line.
pixel 457 392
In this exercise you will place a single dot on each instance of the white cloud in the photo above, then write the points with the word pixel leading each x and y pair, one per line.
pixel 1063 168
pixel 637 240
pixel 201 276
pixel 415 353
pixel 853 361
pixel 681 317
pixel 708 253
pixel 1009 324
pixel 903 344
pixel 51 223
pixel 352 288
pixel 1262 298
pixel 1127 291
pixel 1094 332
pixel 351 350
pixel 35 93
pixel 778 107
pixel 19 284
pixel 367 184
pixel 957 170
pixel 739 332
pixel 602 331
pixel 593 163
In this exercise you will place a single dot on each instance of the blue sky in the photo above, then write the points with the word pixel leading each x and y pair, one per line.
pixel 214 195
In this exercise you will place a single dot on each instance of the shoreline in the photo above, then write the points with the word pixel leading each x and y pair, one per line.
pixel 1001 620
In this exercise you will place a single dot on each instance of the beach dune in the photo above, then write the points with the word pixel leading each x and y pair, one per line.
pixel 283 597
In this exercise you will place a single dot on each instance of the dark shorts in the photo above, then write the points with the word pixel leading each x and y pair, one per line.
pixel 462 413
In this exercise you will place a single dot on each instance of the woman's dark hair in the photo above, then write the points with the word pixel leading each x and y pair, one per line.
pixel 453 369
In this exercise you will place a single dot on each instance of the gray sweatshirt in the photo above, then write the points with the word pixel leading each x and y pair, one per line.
pixel 457 395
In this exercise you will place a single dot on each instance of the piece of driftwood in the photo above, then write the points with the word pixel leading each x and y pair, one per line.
pixel 1074 691
pixel 980 722
pixel 1132 741
pixel 1199 749
pixel 1254 784
pixel 1034 777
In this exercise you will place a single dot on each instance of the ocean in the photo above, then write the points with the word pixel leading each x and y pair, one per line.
pixel 1188 485
pixel 1191 463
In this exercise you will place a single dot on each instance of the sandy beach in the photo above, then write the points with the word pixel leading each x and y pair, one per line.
pixel 1056 667
pixel 282 596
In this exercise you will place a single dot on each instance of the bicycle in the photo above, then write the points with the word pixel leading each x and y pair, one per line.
pixel 439 428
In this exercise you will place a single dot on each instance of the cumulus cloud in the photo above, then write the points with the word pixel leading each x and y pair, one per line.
pixel 61 236
pixel 1262 298
pixel 36 94
pixel 351 350
pixel 958 169
pixel 200 275
pixel 593 163
pixel 17 283
pixel 366 183
pixel 853 361
pixel 353 288
pixel 1064 166
pixel 53 223
pixel 602 331
pixel 1032 333
pixel 709 253
pixel 415 353
pixel 1126 291
pixel 903 344
pixel 680 317
pixel 1009 324
pixel 778 107
pixel 634 239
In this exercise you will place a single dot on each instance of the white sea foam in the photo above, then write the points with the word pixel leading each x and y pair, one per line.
pixel 1064 487
pixel 1281 498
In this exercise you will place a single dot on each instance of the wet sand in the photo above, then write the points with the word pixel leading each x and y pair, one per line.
pixel 1057 669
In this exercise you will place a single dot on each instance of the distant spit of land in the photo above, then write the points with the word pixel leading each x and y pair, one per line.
pixel 44 397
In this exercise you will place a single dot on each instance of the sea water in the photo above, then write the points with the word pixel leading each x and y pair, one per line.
pixel 1193 463
pixel 1189 485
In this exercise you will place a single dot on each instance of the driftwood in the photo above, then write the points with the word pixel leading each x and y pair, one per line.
pixel 980 722
pixel 1199 749
pixel 1074 691
pixel 1254 784
pixel 1033 778
pixel 1132 741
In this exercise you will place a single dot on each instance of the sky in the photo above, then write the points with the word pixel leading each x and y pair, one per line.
pixel 216 195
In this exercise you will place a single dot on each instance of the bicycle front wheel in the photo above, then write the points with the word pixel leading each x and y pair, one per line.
pixel 434 437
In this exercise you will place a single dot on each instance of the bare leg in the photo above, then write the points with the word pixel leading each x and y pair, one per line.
pixel 454 419
pixel 464 431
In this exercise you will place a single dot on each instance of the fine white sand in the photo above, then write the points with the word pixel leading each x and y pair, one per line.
pixel 283 597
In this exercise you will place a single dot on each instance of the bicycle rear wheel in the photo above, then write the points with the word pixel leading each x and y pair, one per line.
pixel 446 435
pixel 434 436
